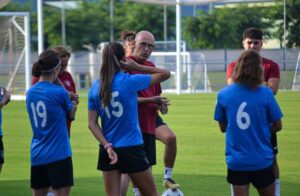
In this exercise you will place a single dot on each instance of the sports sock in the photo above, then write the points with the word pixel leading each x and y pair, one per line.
pixel 231 189
pixel 168 172
pixel 277 187
pixel 136 191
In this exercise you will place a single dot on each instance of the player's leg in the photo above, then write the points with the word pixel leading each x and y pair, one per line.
pixel 240 190
pixel 1 153
pixel 61 176
pixel 125 180
pixel 275 164
pixel 145 182
pixel 239 181
pixel 263 181
pixel 39 180
pixel 149 148
pixel 39 192
pixel 112 182
pixel 164 134
pixel 111 173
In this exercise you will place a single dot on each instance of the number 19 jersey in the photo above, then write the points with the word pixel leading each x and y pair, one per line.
pixel 47 106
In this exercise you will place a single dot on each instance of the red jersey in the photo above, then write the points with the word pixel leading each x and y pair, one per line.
pixel 147 111
pixel 69 84
pixel 271 69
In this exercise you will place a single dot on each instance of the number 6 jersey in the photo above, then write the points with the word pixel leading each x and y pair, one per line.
pixel 248 114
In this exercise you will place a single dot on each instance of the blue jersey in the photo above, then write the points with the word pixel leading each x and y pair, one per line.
pixel 0 112
pixel 119 120
pixel 47 106
pixel 248 114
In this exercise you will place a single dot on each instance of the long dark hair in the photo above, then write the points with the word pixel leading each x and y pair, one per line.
pixel 48 61
pixel 111 56
pixel 248 69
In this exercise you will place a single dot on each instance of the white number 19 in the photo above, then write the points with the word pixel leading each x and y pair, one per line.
pixel 39 111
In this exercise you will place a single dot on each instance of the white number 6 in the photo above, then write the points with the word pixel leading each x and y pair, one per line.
pixel 39 111
pixel 241 114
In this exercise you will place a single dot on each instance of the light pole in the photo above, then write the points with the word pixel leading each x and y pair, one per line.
pixel 63 24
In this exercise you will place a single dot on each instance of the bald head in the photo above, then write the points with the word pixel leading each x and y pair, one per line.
pixel 142 35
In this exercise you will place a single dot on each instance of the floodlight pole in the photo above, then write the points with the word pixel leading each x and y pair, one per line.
pixel 178 47
pixel 111 10
pixel 63 24
pixel 284 34
pixel 40 26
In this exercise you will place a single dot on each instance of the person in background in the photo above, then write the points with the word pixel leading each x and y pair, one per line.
pixel 248 113
pixel 48 106
pixel 4 100
pixel 65 78
pixel 253 39
pixel 113 98
pixel 150 102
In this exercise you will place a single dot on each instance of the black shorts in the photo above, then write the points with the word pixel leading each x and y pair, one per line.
pixel 57 174
pixel 130 159
pixel 274 143
pixel 159 121
pixel 1 151
pixel 259 179
pixel 150 147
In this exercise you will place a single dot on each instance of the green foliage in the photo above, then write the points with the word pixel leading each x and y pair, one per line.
pixel 292 22
pixel 223 28
pixel 139 16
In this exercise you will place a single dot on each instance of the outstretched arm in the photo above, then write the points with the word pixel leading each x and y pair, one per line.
pixel 158 74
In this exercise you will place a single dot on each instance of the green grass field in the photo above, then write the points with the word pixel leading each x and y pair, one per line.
pixel 200 167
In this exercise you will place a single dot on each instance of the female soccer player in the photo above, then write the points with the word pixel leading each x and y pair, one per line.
pixel 48 105
pixel 114 98
pixel 248 112
pixel 64 78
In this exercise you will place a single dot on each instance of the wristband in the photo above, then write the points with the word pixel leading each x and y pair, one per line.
pixel 107 145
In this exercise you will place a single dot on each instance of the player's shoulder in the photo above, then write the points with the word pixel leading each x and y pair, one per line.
pixel 269 61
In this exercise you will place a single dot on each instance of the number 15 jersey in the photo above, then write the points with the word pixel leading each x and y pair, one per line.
pixel 119 120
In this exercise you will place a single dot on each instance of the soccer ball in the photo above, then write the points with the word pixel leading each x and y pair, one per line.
pixel 171 192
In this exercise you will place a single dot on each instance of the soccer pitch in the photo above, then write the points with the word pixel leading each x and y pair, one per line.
pixel 200 165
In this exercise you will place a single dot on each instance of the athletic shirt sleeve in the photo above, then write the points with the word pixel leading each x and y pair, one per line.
pixel 220 114
pixel 271 69
pixel 92 94
pixel 138 82
pixel 230 69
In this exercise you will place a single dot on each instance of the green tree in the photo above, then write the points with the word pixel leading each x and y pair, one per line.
pixel 89 23
pixel 139 16
pixel 292 22
pixel 223 28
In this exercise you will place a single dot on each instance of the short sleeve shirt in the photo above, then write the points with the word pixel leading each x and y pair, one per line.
pixel 119 120
pixel 47 106
pixel 248 114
